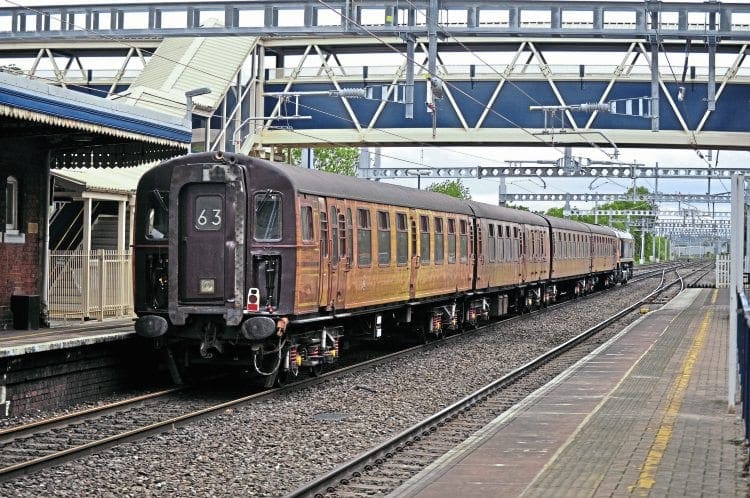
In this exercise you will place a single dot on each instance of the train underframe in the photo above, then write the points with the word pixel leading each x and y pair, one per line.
pixel 298 348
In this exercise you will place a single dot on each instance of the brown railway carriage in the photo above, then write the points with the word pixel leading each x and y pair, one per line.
pixel 571 242
pixel 604 249
pixel 248 262
pixel 364 244
pixel 584 256
pixel 512 247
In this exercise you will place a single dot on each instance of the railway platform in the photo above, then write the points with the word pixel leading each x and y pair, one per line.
pixel 646 414
pixel 64 335
pixel 50 368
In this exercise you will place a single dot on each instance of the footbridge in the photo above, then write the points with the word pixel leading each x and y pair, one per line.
pixel 372 73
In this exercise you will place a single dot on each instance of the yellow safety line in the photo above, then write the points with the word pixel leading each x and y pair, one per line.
pixel 646 479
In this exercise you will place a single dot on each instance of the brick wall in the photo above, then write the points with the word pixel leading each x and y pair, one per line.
pixel 21 262
pixel 60 378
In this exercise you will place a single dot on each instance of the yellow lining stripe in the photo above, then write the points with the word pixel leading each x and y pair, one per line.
pixel 646 478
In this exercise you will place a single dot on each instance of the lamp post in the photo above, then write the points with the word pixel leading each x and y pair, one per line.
pixel 189 104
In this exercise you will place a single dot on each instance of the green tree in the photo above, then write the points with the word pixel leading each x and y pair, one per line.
pixel 454 188
pixel 339 160
pixel 555 212
pixel 517 206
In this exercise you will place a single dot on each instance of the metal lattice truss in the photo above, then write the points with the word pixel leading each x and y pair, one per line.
pixel 310 40
pixel 702 229
pixel 650 213
pixel 595 197
pixel 584 168
pixel 580 19
pixel 70 66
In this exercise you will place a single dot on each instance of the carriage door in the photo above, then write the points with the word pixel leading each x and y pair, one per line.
pixel 522 254
pixel 414 259
pixel 202 229
pixel 338 261
pixel 325 254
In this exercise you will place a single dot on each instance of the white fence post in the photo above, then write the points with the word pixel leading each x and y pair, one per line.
pixel 102 284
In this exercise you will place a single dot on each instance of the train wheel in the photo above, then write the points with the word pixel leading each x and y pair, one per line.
pixel 316 370
pixel 283 377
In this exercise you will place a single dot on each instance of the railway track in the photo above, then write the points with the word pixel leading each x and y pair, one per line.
pixel 26 449
pixel 384 467
pixel 30 447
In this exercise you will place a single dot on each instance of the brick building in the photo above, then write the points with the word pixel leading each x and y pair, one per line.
pixel 44 127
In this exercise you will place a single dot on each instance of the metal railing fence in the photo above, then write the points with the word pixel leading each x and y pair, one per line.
pixel 86 284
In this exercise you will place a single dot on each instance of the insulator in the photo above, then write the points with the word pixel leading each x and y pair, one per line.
pixel 437 88
pixel 594 107
pixel 353 93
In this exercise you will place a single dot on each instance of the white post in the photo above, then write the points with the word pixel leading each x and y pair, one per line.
pixel 102 283
pixel 121 225
pixel 736 253
pixel 86 260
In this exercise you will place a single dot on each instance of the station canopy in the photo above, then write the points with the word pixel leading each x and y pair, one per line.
pixel 84 131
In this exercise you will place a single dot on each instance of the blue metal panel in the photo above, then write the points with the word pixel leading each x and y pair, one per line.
pixel 511 108
pixel 731 110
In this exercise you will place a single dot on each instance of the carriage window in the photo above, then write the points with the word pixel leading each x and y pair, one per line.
pixel 451 240
pixel 491 242
pixel 334 236
pixel 384 238
pixel 464 241
pixel 157 226
pixel 306 223
pixel 343 251
pixel 500 244
pixel 364 238
pixel 439 243
pixel 424 239
pixel 350 235
pixel 209 213
pixel 267 216
pixel 323 234
pixel 533 244
pixel 11 205
pixel 402 239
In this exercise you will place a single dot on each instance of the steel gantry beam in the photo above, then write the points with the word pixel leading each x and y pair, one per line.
pixel 585 168
pixel 595 197
pixel 650 213
pixel 529 18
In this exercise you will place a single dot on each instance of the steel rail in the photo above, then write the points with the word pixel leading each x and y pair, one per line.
pixel 33 465
pixel 10 433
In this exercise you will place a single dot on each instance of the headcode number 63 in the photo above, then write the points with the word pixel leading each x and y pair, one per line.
pixel 215 219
